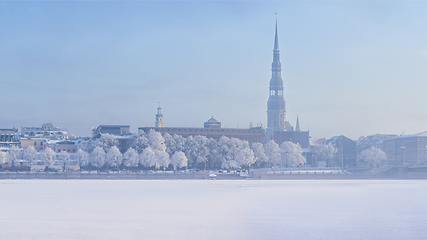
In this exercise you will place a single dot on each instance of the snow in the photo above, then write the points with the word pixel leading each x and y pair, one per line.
pixel 212 209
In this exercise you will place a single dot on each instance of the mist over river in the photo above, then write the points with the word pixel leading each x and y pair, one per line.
pixel 209 209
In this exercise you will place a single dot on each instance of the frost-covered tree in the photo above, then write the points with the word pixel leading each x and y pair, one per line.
pixel 327 152
pixel 214 160
pixel 156 141
pixel 97 157
pixel 30 154
pixel 14 155
pixel 291 154
pixel 245 157
pixel 373 156
pixel 148 158
pixel 196 150
pixel 272 150
pixel 229 148
pixel 114 157
pixel 82 158
pixel 259 154
pixel 106 141
pixel 180 142
pixel 49 157
pixel 140 141
pixel 87 145
pixel 64 158
pixel 4 157
pixel 130 158
pixel 170 143
pixel 223 150
pixel 231 164
pixel 162 159
pixel 179 160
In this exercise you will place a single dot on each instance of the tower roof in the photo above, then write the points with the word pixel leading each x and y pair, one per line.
pixel 276 40
pixel 297 128
pixel 212 120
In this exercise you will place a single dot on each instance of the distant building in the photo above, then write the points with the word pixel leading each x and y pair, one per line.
pixel 212 129
pixel 408 149
pixel 9 138
pixel 212 123
pixel 300 137
pixel 47 131
pixel 346 155
pixel 376 140
pixel 38 143
pixel 159 118
pixel 117 130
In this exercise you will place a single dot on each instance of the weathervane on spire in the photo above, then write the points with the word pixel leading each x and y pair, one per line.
pixel 276 16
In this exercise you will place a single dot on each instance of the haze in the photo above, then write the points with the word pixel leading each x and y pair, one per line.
pixel 352 68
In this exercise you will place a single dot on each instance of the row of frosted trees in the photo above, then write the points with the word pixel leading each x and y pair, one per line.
pixel 153 151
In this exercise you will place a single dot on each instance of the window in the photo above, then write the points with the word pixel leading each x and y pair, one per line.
pixel 35 143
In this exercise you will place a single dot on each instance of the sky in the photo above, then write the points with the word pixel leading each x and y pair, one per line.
pixel 352 68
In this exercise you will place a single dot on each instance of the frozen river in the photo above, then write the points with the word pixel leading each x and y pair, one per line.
pixel 193 209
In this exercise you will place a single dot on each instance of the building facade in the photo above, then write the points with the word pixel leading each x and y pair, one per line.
pixel 212 129
pixel 9 138
pixel 39 144
pixel 47 130
pixel 407 149
pixel 117 130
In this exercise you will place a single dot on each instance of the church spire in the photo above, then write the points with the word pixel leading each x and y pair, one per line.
pixel 297 128
pixel 276 40
pixel 276 104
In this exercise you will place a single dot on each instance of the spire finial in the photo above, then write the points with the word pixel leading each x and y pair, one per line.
pixel 276 16
pixel 297 128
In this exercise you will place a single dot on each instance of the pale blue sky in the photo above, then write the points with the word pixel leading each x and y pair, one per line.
pixel 353 68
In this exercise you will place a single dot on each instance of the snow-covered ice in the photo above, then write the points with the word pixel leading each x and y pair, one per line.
pixel 193 209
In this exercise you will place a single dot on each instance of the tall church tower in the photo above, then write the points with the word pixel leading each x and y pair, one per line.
pixel 159 117
pixel 276 102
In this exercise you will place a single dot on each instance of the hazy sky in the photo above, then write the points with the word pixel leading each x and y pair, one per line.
pixel 353 68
